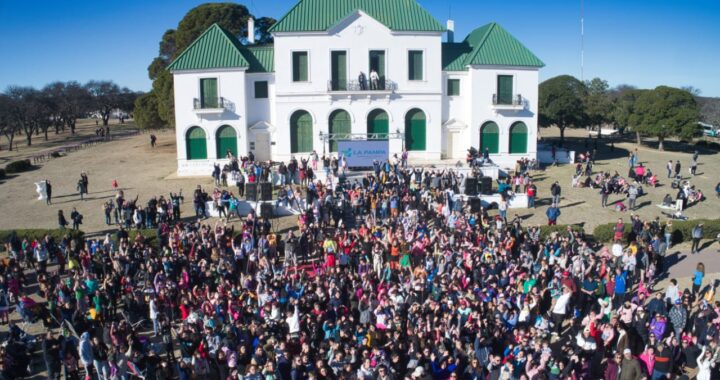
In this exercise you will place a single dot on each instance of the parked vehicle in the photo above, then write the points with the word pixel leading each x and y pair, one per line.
pixel 708 130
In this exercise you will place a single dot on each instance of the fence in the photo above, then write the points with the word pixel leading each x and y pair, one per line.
pixel 65 149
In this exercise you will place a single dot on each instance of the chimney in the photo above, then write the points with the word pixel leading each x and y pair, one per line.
pixel 450 31
pixel 251 31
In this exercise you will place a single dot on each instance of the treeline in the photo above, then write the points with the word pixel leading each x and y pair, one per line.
pixel 662 112
pixel 57 106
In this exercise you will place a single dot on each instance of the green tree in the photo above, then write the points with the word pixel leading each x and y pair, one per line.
pixel 146 112
pixel 624 106
pixel 561 103
pixel 598 105
pixel 665 112
pixel 232 17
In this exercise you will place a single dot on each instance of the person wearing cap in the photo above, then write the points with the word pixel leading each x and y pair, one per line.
pixel 630 367
pixel 678 317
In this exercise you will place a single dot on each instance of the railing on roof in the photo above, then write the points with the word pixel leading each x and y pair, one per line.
pixel 516 100
pixel 200 105
pixel 364 86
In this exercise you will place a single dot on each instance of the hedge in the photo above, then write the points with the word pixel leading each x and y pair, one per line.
pixel 2 173
pixel 708 144
pixel 546 230
pixel 682 230
pixel 39 234
pixel 18 166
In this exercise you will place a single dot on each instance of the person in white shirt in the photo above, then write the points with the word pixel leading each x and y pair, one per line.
pixel 374 80
pixel 154 315
pixel 672 293
pixel 293 321
pixel 617 249
pixel 560 309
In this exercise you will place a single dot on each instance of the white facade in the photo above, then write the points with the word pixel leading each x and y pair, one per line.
pixel 452 123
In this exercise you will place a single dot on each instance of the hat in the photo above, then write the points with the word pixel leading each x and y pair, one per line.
pixel 418 372
pixel 627 351
pixel 678 301
pixel 566 273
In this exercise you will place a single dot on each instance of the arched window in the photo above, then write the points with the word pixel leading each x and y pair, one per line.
pixel 518 138
pixel 490 138
pixel 339 125
pixel 226 140
pixel 196 144
pixel 415 130
pixel 301 129
pixel 378 122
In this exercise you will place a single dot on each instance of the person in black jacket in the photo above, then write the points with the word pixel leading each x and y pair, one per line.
pixel 51 354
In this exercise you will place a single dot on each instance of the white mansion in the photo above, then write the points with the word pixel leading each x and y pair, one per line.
pixel 355 69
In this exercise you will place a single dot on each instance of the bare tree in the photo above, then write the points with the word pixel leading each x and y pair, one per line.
pixel 7 125
pixel 21 108
pixel 106 96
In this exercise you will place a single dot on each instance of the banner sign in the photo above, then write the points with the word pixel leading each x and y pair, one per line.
pixel 362 153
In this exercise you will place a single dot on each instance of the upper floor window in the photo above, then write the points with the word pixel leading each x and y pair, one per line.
pixel 261 89
pixel 504 89
pixel 415 65
pixel 300 66
pixel 208 93
pixel 453 87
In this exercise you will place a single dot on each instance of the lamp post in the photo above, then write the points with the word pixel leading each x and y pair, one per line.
pixel 402 137
pixel 322 141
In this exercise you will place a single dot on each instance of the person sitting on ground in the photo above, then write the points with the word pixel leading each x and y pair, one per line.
pixel 668 201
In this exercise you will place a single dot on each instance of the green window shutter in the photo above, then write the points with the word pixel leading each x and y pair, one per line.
pixel 378 122
pixel 339 124
pixel 195 144
pixel 338 70
pixel 226 140
pixel 490 138
pixel 261 89
pixel 300 66
pixel 301 138
pixel 504 89
pixel 518 138
pixel 453 87
pixel 208 93
pixel 415 65
pixel 415 130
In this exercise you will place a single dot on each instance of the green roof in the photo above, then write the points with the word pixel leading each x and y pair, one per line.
pixel 260 58
pixel 216 48
pixel 320 15
pixel 488 45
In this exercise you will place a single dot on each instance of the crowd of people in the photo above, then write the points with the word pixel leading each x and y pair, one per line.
pixel 387 277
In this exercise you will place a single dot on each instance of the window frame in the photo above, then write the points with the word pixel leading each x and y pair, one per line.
pixel 448 87
pixel 512 88
pixel 307 66
pixel 200 92
pixel 422 65
pixel 267 89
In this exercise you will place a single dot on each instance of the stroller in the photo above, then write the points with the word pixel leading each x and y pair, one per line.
pixel 32 312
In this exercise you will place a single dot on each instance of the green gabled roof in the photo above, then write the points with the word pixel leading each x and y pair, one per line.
pixel 493 45
pixel 216 48
pixel 260 58
pixel 320 15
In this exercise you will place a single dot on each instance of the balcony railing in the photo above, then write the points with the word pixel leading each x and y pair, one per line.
pixel 516 101
pixel 199 106
pixel 382 85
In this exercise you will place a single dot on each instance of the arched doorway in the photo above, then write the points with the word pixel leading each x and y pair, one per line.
pixel 226 140
pixel 518 138
pixel 339 125
pixel 415 130
pixel 196 144
pixel 490 138
pixel 301 132
pixel 378 122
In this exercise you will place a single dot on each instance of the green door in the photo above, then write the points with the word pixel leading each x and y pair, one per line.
pixel 377 63
pixel 378 122
pixel 518 138
pixel 339 125
pixel 301 132
pixel 490 137
pixel 504 89
pixel 196 144
pixel 226 140
pixel 339 70
pixel 415 130
pixel 208 93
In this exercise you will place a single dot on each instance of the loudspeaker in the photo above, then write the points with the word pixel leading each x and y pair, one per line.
pixel 485 186
pixel 265 191
pixel 475 204
pixel 266 210
pixel 471 186
pixel 251 192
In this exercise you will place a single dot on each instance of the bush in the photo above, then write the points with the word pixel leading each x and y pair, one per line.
pixel 39 234
pixel 604 233
pixel 2 173
pixel 148 234
pixel 682 230
pixel 18 166
pixel 546 230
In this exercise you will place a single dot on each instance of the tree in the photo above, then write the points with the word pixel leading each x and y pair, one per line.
pixel 7 125
pixel 694 91
pixel 21 110
pixel 146 113
pixel 624 107
pixel 561 103
pixel 106 96
pixel 665 112
pixel 232 17
pixel 598 106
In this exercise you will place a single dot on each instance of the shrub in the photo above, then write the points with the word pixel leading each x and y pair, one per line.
pixel 32 234
pixel 2 173
pixel 682 230
pixel 605 233
pixel 546 230
pixel 18 166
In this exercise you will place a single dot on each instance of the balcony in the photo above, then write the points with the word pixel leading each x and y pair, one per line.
pixel 383 86
pixel 515 103
pixel 210 108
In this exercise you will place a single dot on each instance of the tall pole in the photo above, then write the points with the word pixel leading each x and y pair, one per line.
pixel 582 40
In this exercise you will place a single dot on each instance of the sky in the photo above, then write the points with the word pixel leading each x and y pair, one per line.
pixel 644 43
